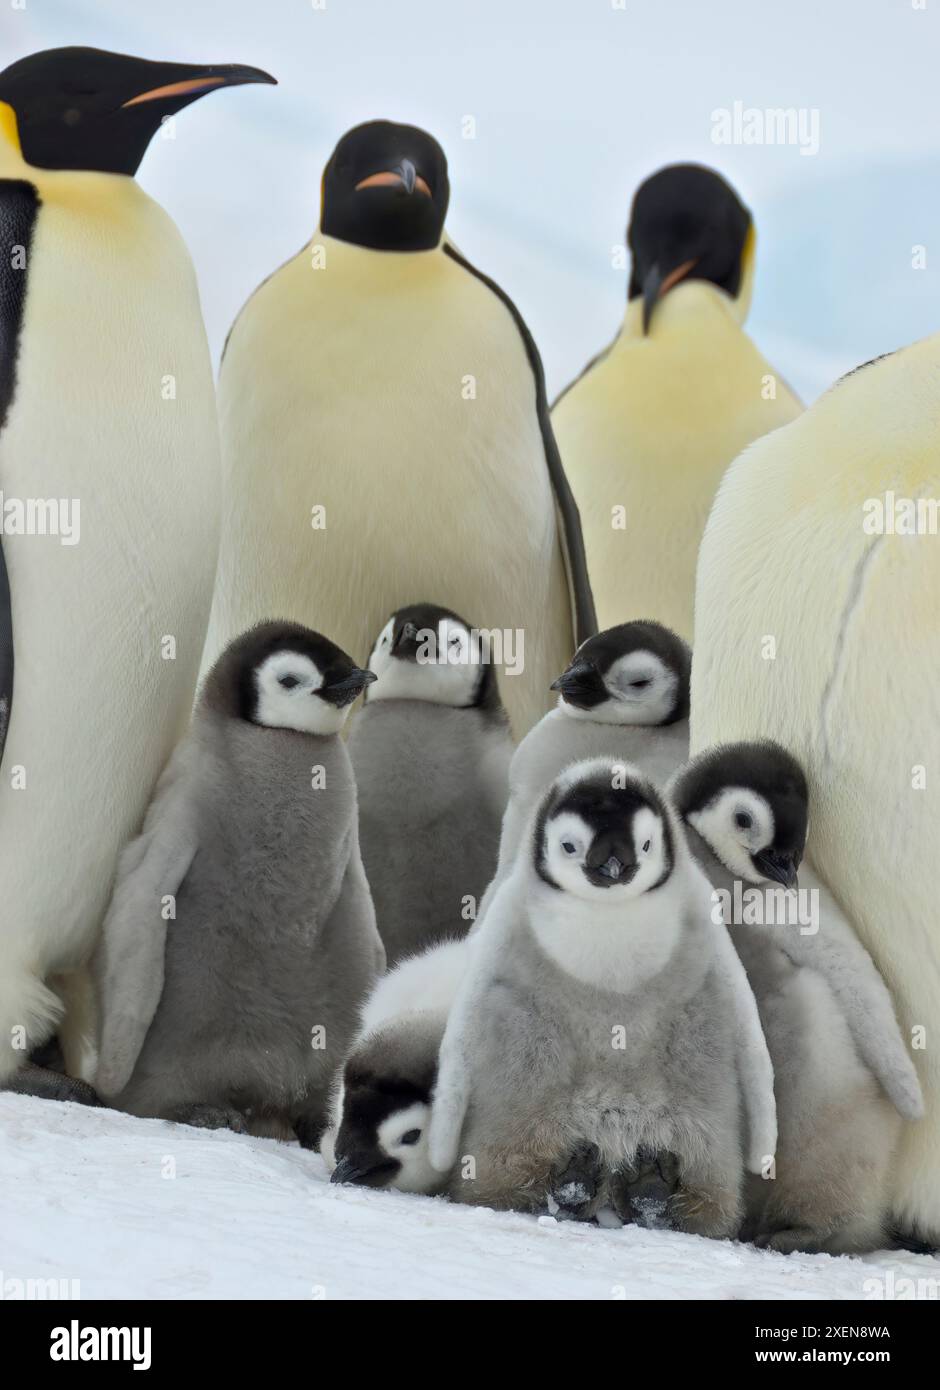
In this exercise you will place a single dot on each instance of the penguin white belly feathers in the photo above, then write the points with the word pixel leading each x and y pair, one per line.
pixel 346 388
pixel 650 428
pixel 113 406
pixel 853 686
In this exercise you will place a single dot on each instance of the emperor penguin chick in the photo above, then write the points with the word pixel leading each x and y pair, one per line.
pixel 603 1016
pixel 843 1077
pixel 625 694
pixel 430 750
pixel 378 1134
pixel 651 424
pixel 239 1009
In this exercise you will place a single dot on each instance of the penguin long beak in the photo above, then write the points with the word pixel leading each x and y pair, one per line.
pixel 200 81
pixel 656 284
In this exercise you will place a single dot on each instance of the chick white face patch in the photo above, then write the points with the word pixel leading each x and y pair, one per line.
pixel 403 1135
pixel 642 687
pixel 736 824
pixel 445 669
pixel 568 839
pixel 287 684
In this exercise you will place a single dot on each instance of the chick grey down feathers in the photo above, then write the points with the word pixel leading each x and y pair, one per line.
pixel 531 1070
pixel 241 936
pixel 843 1078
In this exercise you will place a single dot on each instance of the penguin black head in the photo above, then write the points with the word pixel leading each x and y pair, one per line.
pixel 687 223
pixel 382 1140
pixel 281 675
pixel 385 187
pixel 603 829
pixel 749 802
pixel 425 652
pixel 637 673
pixel 85 108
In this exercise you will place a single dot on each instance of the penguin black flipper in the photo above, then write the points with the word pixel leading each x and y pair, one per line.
pixel 19 204
pixel 585 617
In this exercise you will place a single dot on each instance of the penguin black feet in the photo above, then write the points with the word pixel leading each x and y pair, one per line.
pixel 208 1117
pixel 34 1080
pixel 790 1239
pixel 574 1188
pixel 309 1130
pixel 641 1192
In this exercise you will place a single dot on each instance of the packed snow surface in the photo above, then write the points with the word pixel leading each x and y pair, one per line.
pixel 145 1209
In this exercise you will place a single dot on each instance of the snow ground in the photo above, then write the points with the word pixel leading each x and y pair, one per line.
pixel 88 1195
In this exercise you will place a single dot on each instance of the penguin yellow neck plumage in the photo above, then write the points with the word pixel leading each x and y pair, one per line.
pixel 10 150
pixel 695 298
pixel 687 307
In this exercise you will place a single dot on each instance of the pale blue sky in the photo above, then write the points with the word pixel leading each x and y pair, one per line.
pixel 575 102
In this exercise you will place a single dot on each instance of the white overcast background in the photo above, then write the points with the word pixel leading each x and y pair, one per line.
pixel 575 102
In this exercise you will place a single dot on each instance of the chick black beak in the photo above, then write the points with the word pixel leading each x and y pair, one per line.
pixel 191 82
pixel 779 867
pixel 580 684
pixel 613 868
pixel 347 1171
pixel 405 643
pixel 362 1173
pixel 344 691
pixel 408 174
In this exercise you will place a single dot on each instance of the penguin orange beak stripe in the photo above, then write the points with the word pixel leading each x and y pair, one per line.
pixel 230 75
pixel 177 89
pixel 674 276
pixel 656 285
pixel 391 178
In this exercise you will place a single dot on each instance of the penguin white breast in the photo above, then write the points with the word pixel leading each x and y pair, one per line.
pixel 113 408
pixel 394 392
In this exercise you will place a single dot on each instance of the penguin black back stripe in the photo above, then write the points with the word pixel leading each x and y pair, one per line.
pixel 585 615
pixel 588 367
pixel 19 203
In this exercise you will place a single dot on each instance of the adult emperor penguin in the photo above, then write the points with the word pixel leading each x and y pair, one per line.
pixel 385 429
pixel 652 423
pixel 816 609
pixel 109 472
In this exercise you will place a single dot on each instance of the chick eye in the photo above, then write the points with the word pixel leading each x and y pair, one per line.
pixel 640 685
pixel 288 682
pixel 646 847
pixel 569 847
pixel 411 1136
pixel 742 820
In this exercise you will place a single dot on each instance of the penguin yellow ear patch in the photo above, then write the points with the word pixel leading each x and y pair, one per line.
pixel 9 130
pixel 749 247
